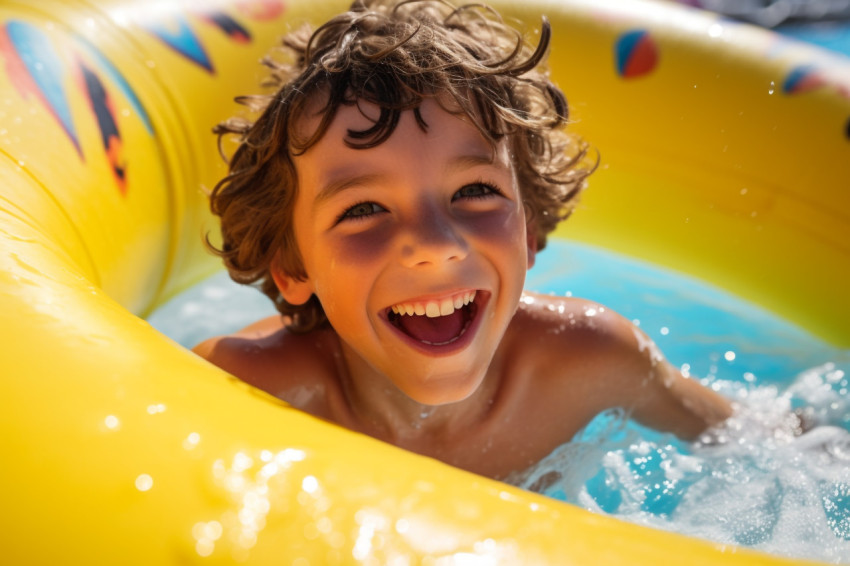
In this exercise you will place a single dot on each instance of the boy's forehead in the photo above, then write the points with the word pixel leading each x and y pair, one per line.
pixel 362 115
pixel 331 166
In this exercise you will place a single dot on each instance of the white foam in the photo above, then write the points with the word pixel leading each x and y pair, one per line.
pixel 751 482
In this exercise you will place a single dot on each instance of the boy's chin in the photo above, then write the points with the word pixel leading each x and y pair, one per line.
pixel 448 392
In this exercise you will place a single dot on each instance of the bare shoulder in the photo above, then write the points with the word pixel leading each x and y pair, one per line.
pixel 567 327
pixel 579 348
pixel 297 368
pixel 570 352
pixel 588 358
pixel 560 360
pixel 222 348
pixel 577 356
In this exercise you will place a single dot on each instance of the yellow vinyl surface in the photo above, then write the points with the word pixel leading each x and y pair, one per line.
pixel 725 153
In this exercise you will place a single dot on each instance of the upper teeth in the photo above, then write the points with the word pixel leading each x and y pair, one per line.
pixel 434 309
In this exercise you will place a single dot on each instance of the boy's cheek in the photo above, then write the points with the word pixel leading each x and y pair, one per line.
pixel 360 248
pixel 506 226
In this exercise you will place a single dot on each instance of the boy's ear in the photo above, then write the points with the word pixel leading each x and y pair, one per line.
pixel 531 243
pixel 295 291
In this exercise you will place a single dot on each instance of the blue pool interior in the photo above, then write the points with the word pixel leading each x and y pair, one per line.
pixel 753 484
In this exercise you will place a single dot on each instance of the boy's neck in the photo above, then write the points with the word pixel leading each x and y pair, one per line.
pixel 381 409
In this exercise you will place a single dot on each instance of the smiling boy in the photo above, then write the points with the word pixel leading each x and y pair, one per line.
pixel 390 199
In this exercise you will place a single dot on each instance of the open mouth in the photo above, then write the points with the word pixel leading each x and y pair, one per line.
pixel 438 322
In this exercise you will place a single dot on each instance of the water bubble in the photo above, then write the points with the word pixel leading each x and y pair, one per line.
pixel 836 505
pixel 772 88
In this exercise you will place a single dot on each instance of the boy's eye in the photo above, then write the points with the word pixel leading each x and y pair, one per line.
pixel 361 210
pixel 475 190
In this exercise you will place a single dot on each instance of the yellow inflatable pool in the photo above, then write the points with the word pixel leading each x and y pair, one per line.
pixel 725 154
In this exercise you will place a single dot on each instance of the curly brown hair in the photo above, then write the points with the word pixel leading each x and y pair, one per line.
pixel 392 54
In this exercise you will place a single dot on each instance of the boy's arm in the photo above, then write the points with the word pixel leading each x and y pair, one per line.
pixel 656 392
pixel 674 403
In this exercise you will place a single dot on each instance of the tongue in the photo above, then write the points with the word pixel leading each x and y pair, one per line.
pixel 435 330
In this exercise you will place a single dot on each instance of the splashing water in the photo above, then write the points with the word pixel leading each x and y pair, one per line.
pixel 751 482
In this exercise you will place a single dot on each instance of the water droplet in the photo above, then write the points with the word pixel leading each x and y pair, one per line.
pixel 204 547
pixel 242 462
pixel 112 422
pixel 157 408
pixel 310 484
pixel 192 441
pixel 772 88
pixel 211 531
pixel 729 356
pixel 144 482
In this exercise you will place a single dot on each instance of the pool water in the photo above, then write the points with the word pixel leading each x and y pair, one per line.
pixel 750 483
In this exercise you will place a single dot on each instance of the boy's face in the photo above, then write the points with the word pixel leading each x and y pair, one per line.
pixel 419 223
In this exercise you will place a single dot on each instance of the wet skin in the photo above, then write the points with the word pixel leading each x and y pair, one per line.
pixel 419 223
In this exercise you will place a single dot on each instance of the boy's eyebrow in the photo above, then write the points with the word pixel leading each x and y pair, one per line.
pixel 469 161
pixel 455 165
pixel 334 187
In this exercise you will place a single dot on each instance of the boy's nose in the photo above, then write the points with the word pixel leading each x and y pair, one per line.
pixel 433 239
